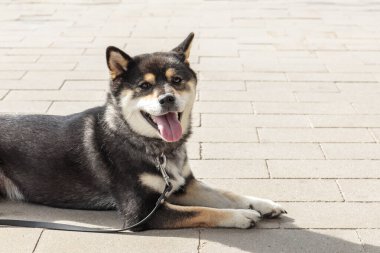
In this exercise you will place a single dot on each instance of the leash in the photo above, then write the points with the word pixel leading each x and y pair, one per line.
pixel 160 165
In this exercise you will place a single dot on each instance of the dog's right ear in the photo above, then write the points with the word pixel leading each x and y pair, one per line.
pixel 117 61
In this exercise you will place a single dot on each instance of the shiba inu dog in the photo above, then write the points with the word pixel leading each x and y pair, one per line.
pixel 105 157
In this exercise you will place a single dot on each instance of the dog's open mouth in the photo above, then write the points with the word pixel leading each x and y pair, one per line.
pixel 168 125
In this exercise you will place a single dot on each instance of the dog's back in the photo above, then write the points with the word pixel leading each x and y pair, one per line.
pixel 43 159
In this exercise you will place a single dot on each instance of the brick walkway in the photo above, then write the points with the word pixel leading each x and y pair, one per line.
pixel 288 109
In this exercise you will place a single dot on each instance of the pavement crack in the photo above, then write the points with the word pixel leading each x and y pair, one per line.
pixel 38 240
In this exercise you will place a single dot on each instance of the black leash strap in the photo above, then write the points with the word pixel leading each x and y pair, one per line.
pixel 161 165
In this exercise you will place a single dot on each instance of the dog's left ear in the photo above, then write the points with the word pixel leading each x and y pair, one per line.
pixel 117 61
pixel 184 48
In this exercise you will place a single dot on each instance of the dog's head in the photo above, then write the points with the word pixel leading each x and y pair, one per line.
pixel 155 92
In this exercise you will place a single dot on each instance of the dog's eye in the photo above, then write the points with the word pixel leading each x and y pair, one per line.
pixel 145 85
pixel 177 80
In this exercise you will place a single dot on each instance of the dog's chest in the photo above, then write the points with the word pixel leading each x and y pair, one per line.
pixel 177 169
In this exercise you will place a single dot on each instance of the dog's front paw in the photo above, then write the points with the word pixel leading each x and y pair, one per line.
pixel 241 218
pixel 266 207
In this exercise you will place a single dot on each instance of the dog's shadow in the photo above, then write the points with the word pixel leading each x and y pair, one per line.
pixel 269 236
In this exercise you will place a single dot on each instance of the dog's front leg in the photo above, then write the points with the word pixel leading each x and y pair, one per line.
pixel 171 216
pixel 198 194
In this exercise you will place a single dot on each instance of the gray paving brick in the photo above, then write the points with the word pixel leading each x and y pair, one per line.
pixel 261 151
pixel 324 168
pixel 221 85
pixel 223 107
pixel 159 241
pixel 11 75
pixel 282 189
pixel 23 107
pixel 56 95
pixel 247 96
pixel 370 238
pixel 235 76
pixel 303 108
pixel 331 215
pixel 360 189
pixel 284 240
pixel 351 150
pixel 204 134
pixel 19 239
pixel 229 168
pixel 314 135
pixel 345 120
pixel 247 120
pixel 85 85
pixel 64 108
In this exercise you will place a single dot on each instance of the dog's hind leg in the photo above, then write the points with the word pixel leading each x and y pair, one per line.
pixel 198 194
pixel 174 216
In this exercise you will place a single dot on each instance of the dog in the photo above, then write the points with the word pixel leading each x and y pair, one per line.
pixel 105 157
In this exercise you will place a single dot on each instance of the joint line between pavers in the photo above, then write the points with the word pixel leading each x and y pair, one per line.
pixel 38 240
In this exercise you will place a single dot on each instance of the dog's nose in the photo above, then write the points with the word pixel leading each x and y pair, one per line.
pixel 166 99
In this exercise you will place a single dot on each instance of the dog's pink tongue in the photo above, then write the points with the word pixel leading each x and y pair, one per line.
pixel 169 126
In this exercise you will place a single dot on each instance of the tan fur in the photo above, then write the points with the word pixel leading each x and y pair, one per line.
pixel 150 78
pixel 115 61
pixel 203 217
pixel 187 53
pixel 170 72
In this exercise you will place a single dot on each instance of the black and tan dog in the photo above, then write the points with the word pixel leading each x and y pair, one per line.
pixel 104 158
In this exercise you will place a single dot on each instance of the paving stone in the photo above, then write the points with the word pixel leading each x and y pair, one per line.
pixel 19 239
pixel 246 96
pixel 371 239
pixel 229 168
pixel 322 87
pixel 193 150
pixel 42 84
pixel 324 168
pixel 221 85
pixel 314 135
pixel 345 120
pixel 3 93
pixel 85 85
pixel 154 241
pixel 281 189
pixel 57 95
pixel 204 134
pixel 11 75
pixel 283 240
pixel 235 76
pixel 223 107
pixel 360 189
pixel 37 66
pixel 302 108
pixel 247 120
pixel 220 64
pixel 331 215
pixel 370 107
pixel 261 151
pixel 328 77
pixel 65 108
pixel 351 150
pixel 23 107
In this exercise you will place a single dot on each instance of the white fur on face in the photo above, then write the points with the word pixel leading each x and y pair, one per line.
pixel 132 107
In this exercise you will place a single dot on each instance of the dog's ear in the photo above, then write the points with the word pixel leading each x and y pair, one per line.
pixel 117 61
pixel 184 48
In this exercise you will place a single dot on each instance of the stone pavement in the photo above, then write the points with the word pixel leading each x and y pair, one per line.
pixel 288 108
